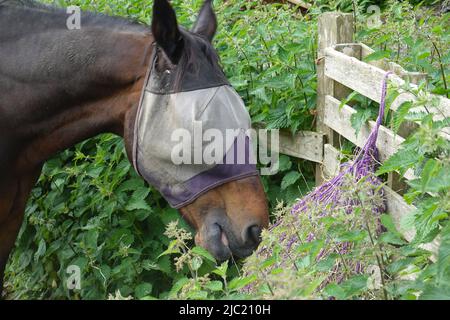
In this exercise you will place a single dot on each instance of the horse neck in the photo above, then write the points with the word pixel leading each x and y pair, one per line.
pixel 90 83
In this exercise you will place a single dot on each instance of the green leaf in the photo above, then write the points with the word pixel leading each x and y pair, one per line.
pixel 91 239
pixel 140 193
pixel 325 265
pixel 149 265
pixel 348 288
pixel 239 283
pixel 214 285
pixel 392 238
pixel 377 55
pixel 355 285
pixel 387 221
pixel 429 170
pixel 260 93
pixel 238 82
pixel 137 204
pixel 348 99
pixel 196 263
pixel 333 290
pixel 276 271
pixel 313 286
pixel 143 290
pixel 173 248
pixel 400 161
pixel 41 250
pixel 351 236
pixel 435 293
pixel 285 163
pixel 204 253
pixel 222 269
pixel 267 263
pixel 165 264
pixel 290 179
pixel 435 179
pixel 359 118
pixel 197 295
pixel 131 185
pixel 143 214
pixel 279 82
pixel 438 30
pixel 304 262
pixel 178 285
pixel 443 262
pixel 400 114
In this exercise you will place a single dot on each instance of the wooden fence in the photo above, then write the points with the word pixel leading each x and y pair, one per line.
pixel 339 72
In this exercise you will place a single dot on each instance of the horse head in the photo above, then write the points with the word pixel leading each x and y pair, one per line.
pixel 225 203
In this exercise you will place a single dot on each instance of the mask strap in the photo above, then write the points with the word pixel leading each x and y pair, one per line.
pixel 139 108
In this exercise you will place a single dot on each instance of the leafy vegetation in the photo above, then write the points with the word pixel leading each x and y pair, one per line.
pixel 90 208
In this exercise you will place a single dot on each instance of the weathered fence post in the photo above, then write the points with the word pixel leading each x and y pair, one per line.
pixel 333 28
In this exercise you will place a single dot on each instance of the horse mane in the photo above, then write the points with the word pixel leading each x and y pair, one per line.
pixel 27 3
pixel 196 48
pixel 91 19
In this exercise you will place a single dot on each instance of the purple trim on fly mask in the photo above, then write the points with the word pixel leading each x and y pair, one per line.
pixel 212 178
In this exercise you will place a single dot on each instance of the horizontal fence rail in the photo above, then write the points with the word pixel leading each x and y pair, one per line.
pixel 366 79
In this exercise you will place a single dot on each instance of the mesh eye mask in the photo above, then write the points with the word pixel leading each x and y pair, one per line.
pixel 177 127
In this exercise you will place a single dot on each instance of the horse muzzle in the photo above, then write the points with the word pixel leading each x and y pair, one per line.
pixel 223 239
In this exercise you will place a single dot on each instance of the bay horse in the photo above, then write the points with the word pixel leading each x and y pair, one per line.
pixel 59 87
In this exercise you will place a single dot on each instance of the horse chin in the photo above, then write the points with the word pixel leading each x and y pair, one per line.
pixel 213 242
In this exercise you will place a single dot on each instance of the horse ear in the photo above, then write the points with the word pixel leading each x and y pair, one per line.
pixel 206 24
pixel 165 30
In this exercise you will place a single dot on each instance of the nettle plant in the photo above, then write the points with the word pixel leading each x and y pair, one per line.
pixel 415 36
pixel 269 51
pixel 104 220
pixel 427 153
pixel 326 252
pixel 200 275
pixel 375 265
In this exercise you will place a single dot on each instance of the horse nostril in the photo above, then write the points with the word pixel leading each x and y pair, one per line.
pixel 253 235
